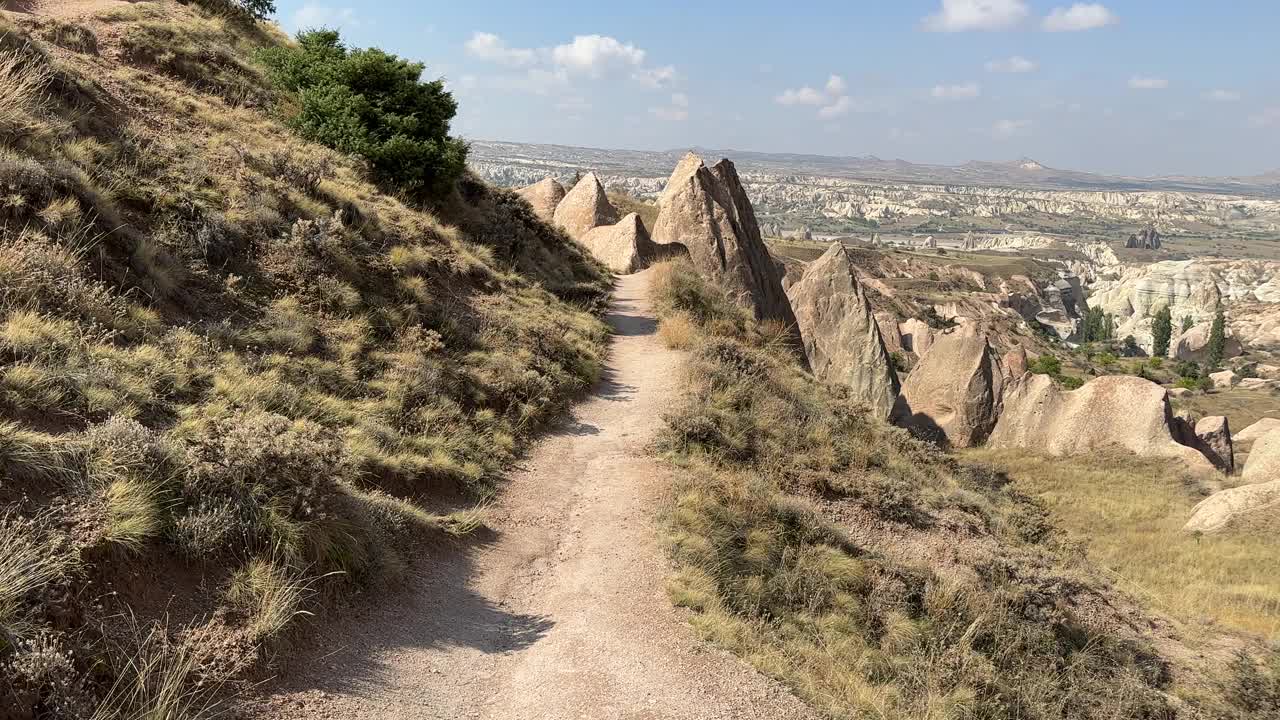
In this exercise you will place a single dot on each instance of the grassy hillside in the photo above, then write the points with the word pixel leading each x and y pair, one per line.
pixel 235 375
pixel 882 578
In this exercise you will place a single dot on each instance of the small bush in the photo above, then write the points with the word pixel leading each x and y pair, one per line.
pixel 677 331
pixel 372 104
pixel 270 594
pixel 22 82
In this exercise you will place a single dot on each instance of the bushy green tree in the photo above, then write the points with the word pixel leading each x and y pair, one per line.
pixel 1218 338
pixel 372 104
pixel 1162 331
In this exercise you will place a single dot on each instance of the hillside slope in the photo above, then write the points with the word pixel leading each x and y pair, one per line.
pixel 236 378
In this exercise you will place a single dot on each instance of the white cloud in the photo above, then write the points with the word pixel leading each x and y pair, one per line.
pixel 314 15
pixel 592 54
pixel 1010 128
pixel 966 91
pixel 1080 16
pixel 1015 64
pixel 1223 96
pixel 1265 119
pixel 963 15
pixel 841 106
pixel 490 47
pixel 836 86
pixel 655 78
pixel 801 96
pixel 1141 82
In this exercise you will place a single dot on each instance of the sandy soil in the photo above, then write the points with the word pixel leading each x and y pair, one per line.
pixel 562 614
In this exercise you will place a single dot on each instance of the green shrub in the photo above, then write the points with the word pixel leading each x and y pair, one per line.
pixel 1162 331
pixel 1046 365
pixel 372 104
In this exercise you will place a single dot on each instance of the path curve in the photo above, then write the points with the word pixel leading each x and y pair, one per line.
pixel 563 615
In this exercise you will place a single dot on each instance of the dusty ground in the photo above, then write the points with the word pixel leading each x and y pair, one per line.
pixel 563 613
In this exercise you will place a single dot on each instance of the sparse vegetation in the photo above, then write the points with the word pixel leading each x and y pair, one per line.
pixel 227 354
pixel 1162 331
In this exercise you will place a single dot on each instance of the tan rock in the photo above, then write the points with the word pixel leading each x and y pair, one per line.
pixel 1225 379
pixel 1015 363
pixel 841 338
pixel 708 212
pixel 1255 431
pixel 1263 464
pixel 917 336
pixel 624 247
pixel 1225 508
pixel 953 395
pixel 888 324
pixel 1115 410
pixel 1213 434
pixel 544 196
pixel 1193 345
pixel 1257 384
pixel 585 207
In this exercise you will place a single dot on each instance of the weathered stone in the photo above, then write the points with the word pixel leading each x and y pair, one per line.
pixel 708 212
pixel 624 247
pixel 1214 436
pixel 1015 363
pixel 917 336
pixel 1147 239
pixel 1114 410
pixel 1193 345
pixel 1263 464
pixel 841 338
pixel 585 207
pixel 1255 431
pixel 953 395
pixel 1258 384
pixel 888 324
pixel 544 196
pixel 1259 499
pixel 1225 379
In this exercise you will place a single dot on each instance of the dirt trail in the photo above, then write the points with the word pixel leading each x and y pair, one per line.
pixel 563 614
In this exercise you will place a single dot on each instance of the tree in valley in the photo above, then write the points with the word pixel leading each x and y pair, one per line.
pixel 1162 331
pixel 1218 338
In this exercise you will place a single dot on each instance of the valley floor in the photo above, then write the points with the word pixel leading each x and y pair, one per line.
pixel 561 611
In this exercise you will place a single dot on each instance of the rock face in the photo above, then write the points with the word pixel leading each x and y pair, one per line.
pixel 917 336
pixel 841 338
pixel 888 324
pixel 1193 345
pixel 624 247
pixel 1257 430
pixel 585 207
pixel 707 211
pixel 1015 363
pixel 1263 464
pixel 1214 441
pixel 953 395
pixel 1116 410
pixel 1063 306
pixel 544 196
pixel 1147 239
pixel 1224 380
pixel 1222 509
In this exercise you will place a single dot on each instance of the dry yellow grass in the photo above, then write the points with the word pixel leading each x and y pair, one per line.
pixel 1129 515
pixel 677 331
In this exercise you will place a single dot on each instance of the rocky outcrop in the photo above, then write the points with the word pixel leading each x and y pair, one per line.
pixel 707 211
pixel 1263 464
pixel 1213 435
pixel 916 335
pixel 1193 345
pixel 1256 431
pixel 624 247
pixel 1015 363
pixel 1147 239
pixel 585 207
pixel 1222 510
pixel 544 196
pixel 889 332
pixel 1116 410
pixel 1224 380
pixel 953 395
pixel 841 337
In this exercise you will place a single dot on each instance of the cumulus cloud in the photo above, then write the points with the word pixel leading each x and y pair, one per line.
pixel 314 15
pixel 1142 82
pixel 1080 16
pixel 1265 119
pixel 965 15
pixel 490 47
pixel 836 86
pixel 592 54
pixel 801 96
pixel 678 109
pixel 1015 64
pixel 965 91
pixel 832 101
pixel 655 78
pixel 1222 96
pixel 841 106
pixel 1010 128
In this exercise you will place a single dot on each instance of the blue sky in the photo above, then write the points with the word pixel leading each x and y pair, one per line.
pixel 1137 87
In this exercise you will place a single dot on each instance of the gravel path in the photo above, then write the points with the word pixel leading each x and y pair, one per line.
pixel 563 613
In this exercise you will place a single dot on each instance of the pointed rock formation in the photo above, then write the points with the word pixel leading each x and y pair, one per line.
pixel 1015 363
pixel 707 211
pixel 544 196
pixel 1213 435
pixel 841 338
pixel 585 207
pixel 624 247
pixel 889 332
pixel 1115 410
pixel 1260 499
pixel 953 395
pixel 917 336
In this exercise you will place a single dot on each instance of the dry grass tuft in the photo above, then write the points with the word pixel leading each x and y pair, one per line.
pixel 270 594
pixel 677 331
pixel 22 87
